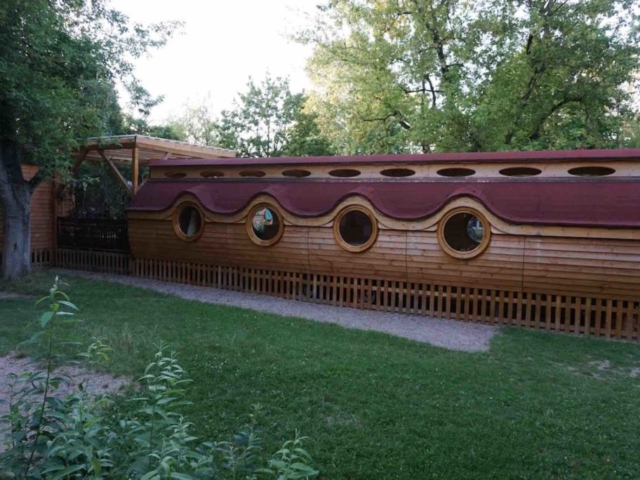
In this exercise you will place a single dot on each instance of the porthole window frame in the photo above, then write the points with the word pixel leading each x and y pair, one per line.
pixel 249 225
pixel 296 173
pixel 479 250
pixel 345 172
pixel 450 172
pixel 252 174
pixel 524 172
pixel 212 174
pixel 175 175
pixel 176 222
pixel 582 171
pixel 355 248
pixel 392 172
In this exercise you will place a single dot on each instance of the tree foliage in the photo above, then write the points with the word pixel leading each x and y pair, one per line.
pixel 266 120
pixel 59 65
pixel 447 75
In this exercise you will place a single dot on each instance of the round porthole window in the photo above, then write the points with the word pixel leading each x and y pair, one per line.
pixel 265 225
pixel 188 222
pixel 355 229
pixel 464 233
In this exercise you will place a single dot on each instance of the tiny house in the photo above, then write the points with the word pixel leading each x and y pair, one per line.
pixel 547 240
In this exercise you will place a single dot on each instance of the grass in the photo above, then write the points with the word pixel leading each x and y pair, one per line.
pixel 375 406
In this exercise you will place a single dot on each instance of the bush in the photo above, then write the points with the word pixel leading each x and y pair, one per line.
pixel 143 437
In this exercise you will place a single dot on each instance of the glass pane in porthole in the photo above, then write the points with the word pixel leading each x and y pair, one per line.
pixel 475 229
pixel 265 223
pixel 464 232
pixel 356 228
pixel 189 221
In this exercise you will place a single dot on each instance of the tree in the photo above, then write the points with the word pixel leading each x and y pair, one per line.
pixel 446 75
pixel 59 63
pixel 197 124
pixel 268 120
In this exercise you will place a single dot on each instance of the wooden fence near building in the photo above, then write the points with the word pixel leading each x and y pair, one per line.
pixel 570 313
pixel 94 234
pixel 40 258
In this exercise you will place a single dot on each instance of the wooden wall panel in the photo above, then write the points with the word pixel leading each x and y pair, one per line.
pixel 42 216
pixel 290 253
pixel 156 239
pixel 385 259
pixel 604 268
pixel 584 266
pixel 41 213
pixel 499 266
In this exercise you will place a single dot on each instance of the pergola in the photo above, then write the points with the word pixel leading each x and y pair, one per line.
pixel 139 150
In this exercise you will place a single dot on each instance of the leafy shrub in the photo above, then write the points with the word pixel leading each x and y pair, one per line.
pixel 91 437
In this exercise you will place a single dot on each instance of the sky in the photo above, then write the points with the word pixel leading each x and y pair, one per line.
pixel 223 43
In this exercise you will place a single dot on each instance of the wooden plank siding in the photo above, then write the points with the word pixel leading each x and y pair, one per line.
pixel 499 267
pixel 512 263
pixel 385 259
pixel 602 267
pixel 41 219
pixel 579 286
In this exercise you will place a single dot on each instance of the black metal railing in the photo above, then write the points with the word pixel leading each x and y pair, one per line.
pixel 93 234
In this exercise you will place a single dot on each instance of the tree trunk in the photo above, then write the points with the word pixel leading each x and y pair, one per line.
pixel 15 201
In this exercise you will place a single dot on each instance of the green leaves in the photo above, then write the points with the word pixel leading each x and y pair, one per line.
pixel 83 435
pixel 423 75
pixel 266 120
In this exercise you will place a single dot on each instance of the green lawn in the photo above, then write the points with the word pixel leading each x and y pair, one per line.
pixel 375 406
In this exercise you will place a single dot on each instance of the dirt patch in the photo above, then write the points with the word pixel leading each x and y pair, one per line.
pixel 604 370
pixel 96 383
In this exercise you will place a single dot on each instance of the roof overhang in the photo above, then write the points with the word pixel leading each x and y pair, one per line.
pixel 119 148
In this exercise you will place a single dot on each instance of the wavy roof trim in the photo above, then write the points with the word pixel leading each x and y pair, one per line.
pixel 608 204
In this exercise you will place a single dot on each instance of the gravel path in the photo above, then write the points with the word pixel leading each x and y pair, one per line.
pixel 441 333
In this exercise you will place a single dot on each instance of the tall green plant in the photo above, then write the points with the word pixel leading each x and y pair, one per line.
pixel 145 437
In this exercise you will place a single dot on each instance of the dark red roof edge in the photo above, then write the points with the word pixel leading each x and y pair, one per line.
pixel 475 157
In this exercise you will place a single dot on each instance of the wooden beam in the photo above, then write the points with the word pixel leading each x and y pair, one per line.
pixel 116 172
pixel 182 148
pixel 135 154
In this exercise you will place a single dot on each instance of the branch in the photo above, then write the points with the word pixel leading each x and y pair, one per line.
pixel 535 135
pixel 36 180
pixel 433 91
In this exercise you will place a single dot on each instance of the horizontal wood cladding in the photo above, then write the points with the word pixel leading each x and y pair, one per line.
pixel 385 259
pixel 499 266
pixel 603 267
pixel 41 213
pixel 220 244
pixel 598 267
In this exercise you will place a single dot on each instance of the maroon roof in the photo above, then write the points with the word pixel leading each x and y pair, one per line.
pixel 602 203
pixel 476 157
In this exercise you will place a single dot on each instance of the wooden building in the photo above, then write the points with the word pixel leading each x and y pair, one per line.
pixel 547 240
